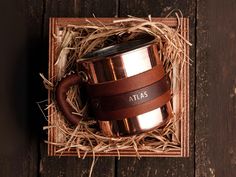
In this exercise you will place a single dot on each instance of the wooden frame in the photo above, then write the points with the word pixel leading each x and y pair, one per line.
pixel 180 100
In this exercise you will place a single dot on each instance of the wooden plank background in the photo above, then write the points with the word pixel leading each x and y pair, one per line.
pixel 24 53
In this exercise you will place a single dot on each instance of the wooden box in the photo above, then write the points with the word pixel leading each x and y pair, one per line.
pixel 180 100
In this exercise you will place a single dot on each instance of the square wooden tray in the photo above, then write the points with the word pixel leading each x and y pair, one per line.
pixel 180 100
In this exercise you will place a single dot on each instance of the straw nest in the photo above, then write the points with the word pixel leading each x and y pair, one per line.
pixel 74 41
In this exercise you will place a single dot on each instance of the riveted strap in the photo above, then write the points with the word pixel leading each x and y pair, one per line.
pixel 132 111
pixel 132 103
pixel 61 90
pixel 127 84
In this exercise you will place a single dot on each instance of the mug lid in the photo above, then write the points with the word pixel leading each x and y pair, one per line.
pixel 118 48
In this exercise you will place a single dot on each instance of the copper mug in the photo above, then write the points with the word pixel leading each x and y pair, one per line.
pixel 127 88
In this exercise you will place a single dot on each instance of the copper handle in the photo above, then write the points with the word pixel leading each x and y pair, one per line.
pixel 61 90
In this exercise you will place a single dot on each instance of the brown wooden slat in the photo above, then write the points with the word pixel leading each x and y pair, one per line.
pixel 162 166
pixel 19 126
pixel 172 22
pixel 216 89
pixel 72 166
pixel 124 153
pixel 79 8
pixel 182 97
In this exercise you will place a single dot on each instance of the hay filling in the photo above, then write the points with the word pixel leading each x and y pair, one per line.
pixel 77 40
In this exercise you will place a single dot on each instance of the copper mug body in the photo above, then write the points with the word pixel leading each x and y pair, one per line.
pixel 120 63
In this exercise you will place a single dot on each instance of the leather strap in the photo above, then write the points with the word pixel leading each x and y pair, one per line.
pixel 134 110
pixel 61 90
pixel 132 98
pixel 127 84
pixel 112 95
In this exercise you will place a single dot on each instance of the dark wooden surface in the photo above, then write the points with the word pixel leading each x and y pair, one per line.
pixel 24 49
pixel 215 120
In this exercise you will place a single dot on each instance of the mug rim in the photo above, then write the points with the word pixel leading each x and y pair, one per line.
pixel 118 49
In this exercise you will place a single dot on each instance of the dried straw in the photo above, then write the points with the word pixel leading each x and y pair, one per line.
pixel 75 41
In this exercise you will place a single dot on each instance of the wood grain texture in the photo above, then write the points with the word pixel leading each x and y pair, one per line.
pixel 162 166
pixel 26 23
pixel 19 131
pixel 79 8
pixel 215 93
pixel 181 99
pixel 72 166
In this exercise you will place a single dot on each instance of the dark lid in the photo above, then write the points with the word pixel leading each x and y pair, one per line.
pixel 118 48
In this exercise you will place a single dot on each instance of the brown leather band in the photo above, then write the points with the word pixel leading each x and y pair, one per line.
pixel 113 105
pixel 132 98
pixel 61 90
pixel 134 110
pixel 128 84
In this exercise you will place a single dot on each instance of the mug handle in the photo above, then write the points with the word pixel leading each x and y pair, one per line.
pixel 60 96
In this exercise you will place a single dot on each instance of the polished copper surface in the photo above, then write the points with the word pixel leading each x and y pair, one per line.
pixel 102 69
pixel 138 124
pixel 123 65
